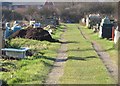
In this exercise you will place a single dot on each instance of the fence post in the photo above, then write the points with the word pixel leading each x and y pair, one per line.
pixel 113 31
pixel 1 40
pixel 118 43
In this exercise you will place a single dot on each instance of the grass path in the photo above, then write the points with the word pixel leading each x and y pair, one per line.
pixel 83 65
pixel 105 57
pixel 107 45
pixel 58 67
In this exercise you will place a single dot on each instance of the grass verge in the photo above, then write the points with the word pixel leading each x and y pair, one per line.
pixel 33 69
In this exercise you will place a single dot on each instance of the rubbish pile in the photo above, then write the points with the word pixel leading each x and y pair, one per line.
pixel 34 33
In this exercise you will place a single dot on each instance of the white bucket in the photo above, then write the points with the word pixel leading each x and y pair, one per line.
pixel 117 35
pixel 17 53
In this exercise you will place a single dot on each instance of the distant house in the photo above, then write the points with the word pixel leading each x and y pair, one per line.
pixel 39 5
pixel 7 5
pixel 17 5
pixel 23 6
pixel 48 4
pixel 20 5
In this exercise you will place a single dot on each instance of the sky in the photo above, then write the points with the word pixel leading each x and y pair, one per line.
pixel 60 0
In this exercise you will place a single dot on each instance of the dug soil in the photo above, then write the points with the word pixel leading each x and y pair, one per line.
pixel 34 33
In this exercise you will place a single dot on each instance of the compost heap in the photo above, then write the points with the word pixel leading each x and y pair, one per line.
pixel 34 33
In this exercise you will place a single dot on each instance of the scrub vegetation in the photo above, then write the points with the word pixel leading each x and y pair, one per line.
pixel 34 68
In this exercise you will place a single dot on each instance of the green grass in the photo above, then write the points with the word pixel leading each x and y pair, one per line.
pixel 83 65
pixel 59 31
pixel 33 69
pixel 107 45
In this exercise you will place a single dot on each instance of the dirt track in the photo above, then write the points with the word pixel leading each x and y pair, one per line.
pixel 58 68
pixel 104 56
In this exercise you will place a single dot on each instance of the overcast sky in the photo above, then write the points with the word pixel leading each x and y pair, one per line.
pixel 59 0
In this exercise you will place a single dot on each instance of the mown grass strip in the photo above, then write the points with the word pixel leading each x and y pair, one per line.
pixel 106 45
pixel 83 65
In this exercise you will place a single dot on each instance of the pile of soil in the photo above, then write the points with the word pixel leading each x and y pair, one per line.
pixel 19 33
pixel 34 33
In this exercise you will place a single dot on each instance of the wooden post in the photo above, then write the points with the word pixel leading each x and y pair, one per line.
pixel 1 40
pixel 118 44
pixel 118 16
pixel 113 31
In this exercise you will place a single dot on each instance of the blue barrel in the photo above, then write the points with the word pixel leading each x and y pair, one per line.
pixel 106 28
pixel 37 25
pixel 16 28
pixel 7 32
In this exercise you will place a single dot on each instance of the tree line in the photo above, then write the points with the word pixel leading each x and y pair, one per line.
pixel 67 11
